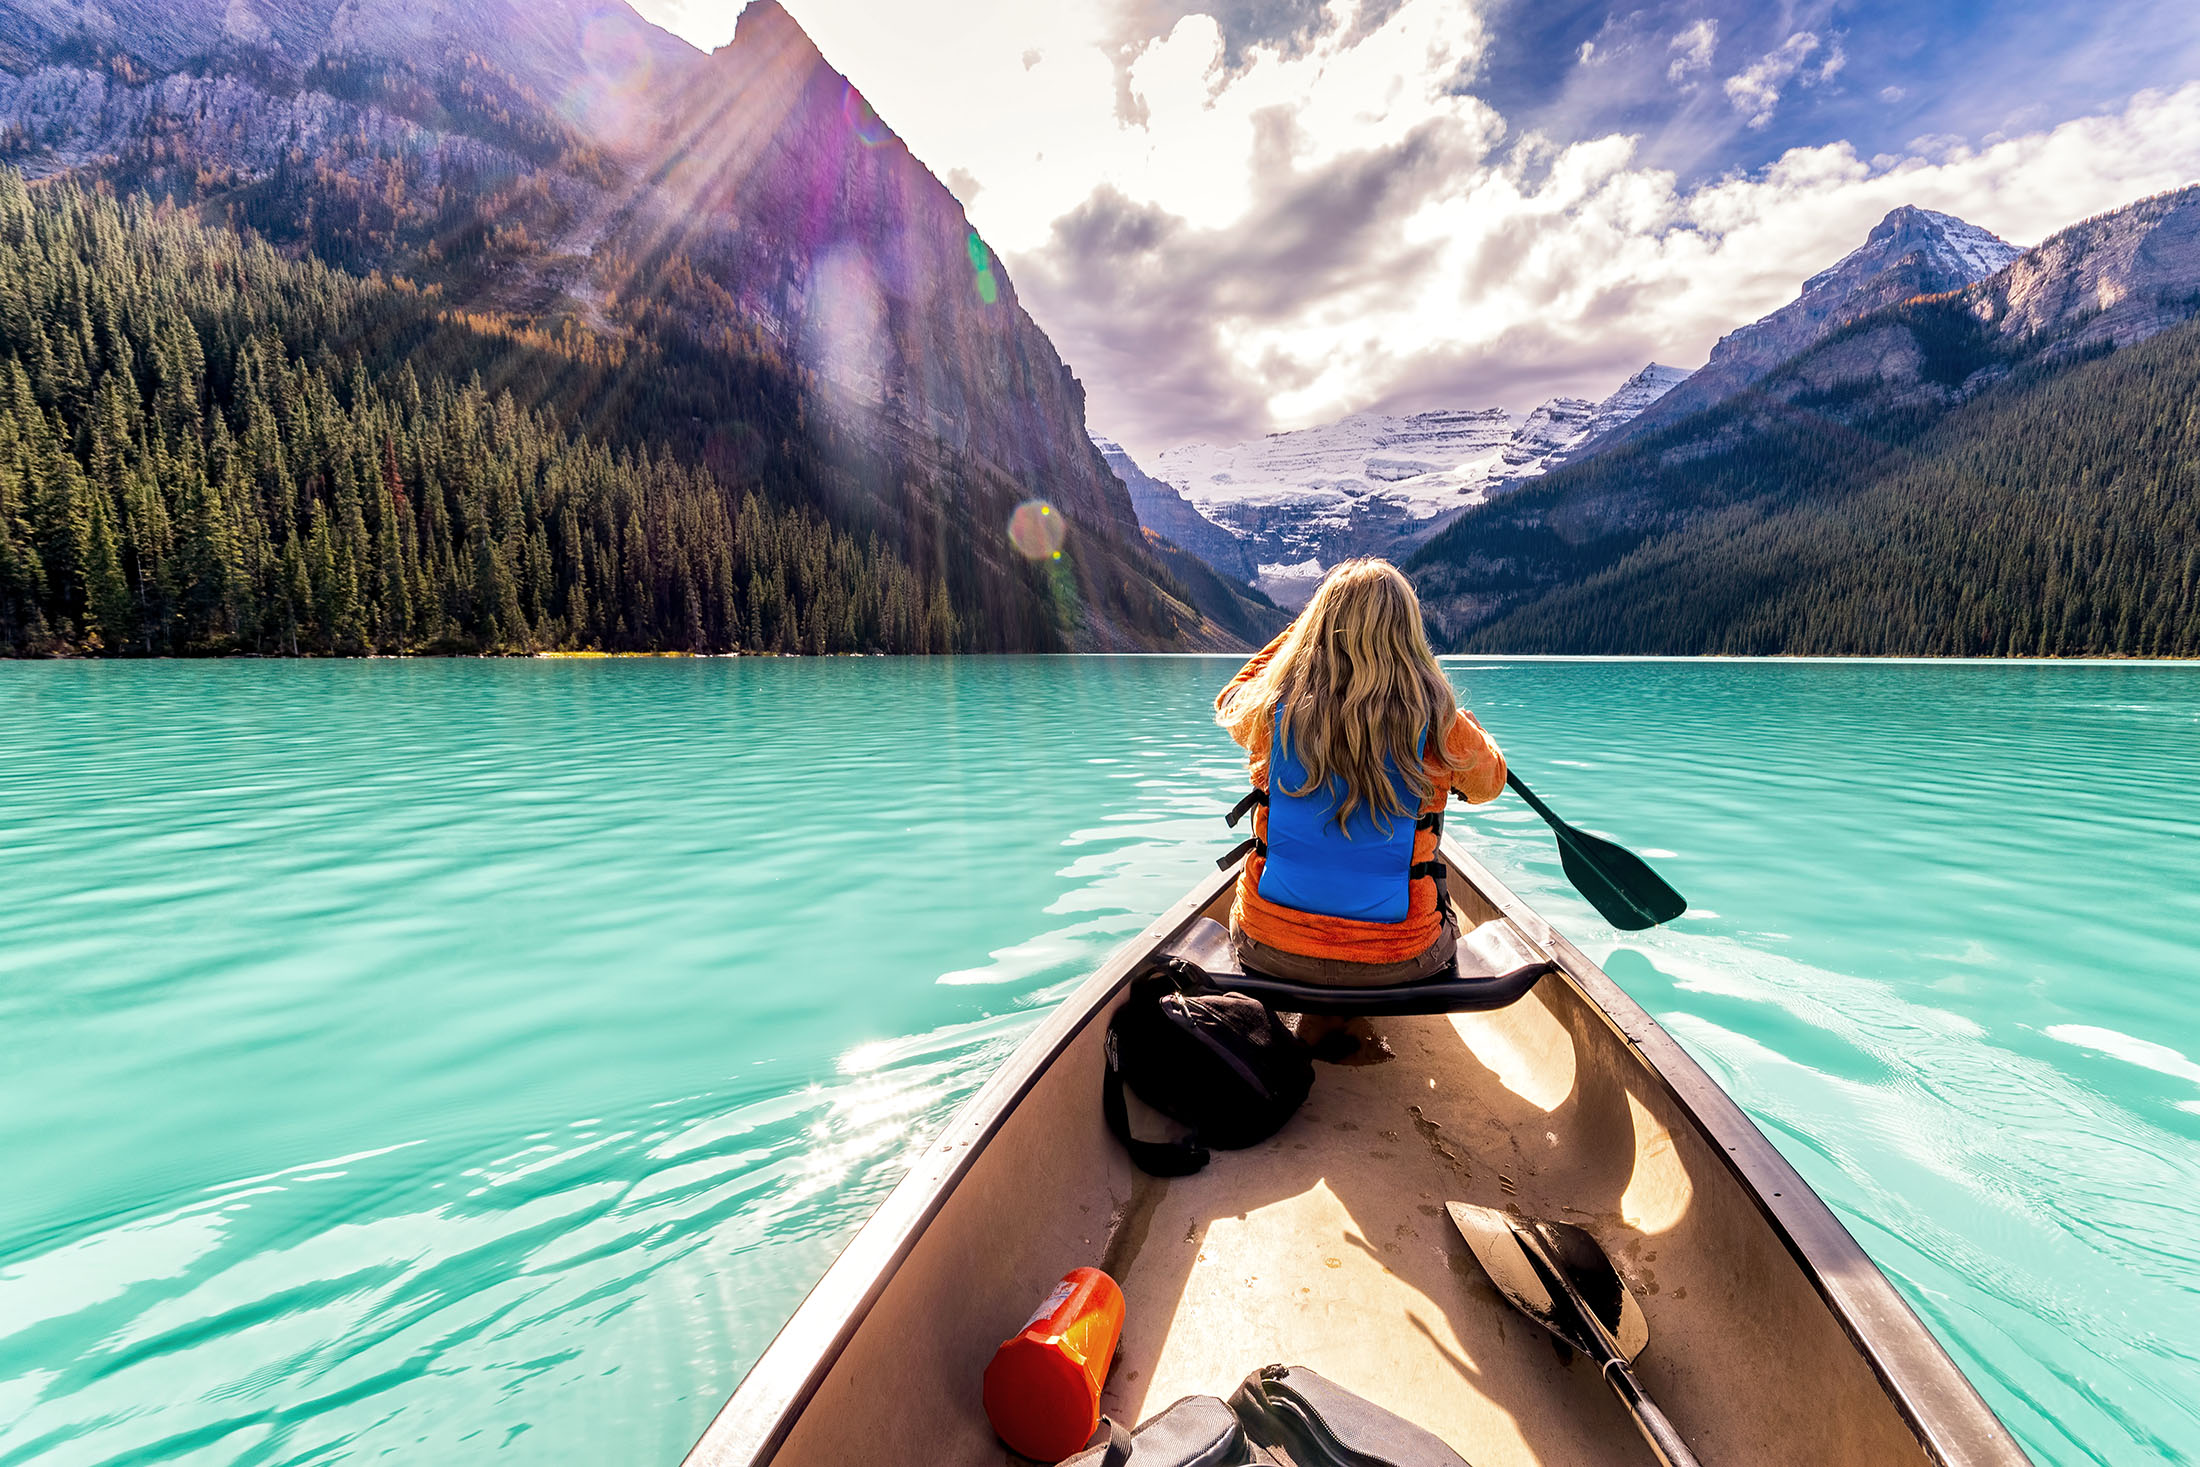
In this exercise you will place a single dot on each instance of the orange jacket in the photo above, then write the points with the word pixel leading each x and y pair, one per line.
pixel 1478 777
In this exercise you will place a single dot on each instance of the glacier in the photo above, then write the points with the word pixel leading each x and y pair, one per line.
pixel 1279 510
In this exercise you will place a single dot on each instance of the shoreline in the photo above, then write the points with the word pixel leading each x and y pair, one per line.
pixel 1779 658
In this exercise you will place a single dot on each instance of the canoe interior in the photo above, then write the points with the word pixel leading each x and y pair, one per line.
pixel 1327 1246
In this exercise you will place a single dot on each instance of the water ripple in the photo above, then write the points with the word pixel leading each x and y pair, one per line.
pixel 470 1060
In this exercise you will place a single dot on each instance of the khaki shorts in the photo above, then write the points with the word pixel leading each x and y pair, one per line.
pixel 1258 957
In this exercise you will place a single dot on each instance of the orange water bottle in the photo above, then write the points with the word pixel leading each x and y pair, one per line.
pixel 1042 1391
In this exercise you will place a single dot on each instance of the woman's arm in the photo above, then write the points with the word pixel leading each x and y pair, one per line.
pixel 1477 764
pixel 1247 728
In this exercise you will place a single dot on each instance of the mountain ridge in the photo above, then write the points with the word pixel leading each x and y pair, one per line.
pixel 1595 556
pixel 1910 252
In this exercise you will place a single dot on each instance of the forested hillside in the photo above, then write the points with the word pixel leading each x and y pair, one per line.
pixel 2004 468
pixel 208 447
pixel 2056 515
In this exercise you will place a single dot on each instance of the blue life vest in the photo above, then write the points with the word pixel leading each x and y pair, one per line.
pixel 1363 871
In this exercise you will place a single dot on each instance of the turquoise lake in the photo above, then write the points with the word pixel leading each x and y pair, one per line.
pixel 452 1062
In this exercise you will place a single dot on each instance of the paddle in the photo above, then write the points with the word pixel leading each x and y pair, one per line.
pixel 1617 882
pixel 1557 1275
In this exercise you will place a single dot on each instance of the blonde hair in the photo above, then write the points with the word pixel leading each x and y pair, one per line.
pixel 1357 683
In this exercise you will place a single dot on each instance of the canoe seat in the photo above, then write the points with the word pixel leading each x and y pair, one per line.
pixel 1493 969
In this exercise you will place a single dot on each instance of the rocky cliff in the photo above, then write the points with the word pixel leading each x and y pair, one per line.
pixel 1170 515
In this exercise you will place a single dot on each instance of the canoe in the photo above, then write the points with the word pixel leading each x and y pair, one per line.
pixel 1773 1338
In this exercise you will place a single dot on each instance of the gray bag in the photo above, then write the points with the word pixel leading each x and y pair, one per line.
pixel 1280 1416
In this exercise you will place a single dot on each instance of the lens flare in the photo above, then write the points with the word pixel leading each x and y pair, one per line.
pixel 864 118
pixel 1037 530
pixel 981 264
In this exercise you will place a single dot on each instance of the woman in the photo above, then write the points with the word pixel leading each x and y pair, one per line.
pixel 1353 733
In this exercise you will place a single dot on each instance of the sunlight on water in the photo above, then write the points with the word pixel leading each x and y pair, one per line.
pixel 460 1061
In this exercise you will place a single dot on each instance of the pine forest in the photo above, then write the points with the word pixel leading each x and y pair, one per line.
pixel 208 447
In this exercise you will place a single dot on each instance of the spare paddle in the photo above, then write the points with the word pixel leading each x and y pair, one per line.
pixel 1557 1275
pixel 1617 882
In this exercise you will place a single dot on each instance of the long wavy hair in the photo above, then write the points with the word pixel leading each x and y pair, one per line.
pixel 1357 684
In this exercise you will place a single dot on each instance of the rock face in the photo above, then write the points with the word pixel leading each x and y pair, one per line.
pixel 1281 510
pixel 564 164
pixel 1911 252
pixel 812 213
pixel 2116 279
pixel 1168 514
pixel 2109 282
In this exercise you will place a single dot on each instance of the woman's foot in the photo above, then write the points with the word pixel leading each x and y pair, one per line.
pixel 1340 1041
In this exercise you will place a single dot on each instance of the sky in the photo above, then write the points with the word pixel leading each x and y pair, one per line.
pixel 1240 216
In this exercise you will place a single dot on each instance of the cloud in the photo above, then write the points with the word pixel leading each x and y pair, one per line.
pixel 1285 27
pixel 1692 49
pixel 1314 210
pixel 1755 91
pixel 1424 272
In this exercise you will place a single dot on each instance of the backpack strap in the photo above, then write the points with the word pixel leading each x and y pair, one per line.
pixel 1154 1158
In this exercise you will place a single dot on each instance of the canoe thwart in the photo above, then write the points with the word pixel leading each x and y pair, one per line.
pixel 1493 968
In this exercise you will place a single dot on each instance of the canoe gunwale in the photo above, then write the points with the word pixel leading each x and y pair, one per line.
pixel 1952 1421
pixel 753 1424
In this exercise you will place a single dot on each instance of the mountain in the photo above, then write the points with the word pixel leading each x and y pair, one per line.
pixel 1632 399
pixel 1166 513
pixel 1204 557
pixel 1241 610
pixel 1282 509
pixel 2004 467
pixel 1293 504
pixel 1909 253
pixel 727 260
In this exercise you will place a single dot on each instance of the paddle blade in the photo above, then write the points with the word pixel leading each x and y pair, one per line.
pixel 1494 1237
pixel 1526 1259
pixel 1592 1277
pixel 1617 882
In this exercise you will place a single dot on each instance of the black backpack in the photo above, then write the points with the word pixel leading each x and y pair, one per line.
pixel 1221 1063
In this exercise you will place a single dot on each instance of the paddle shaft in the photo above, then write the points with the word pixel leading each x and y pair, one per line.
pixel 1649 1420
pixel 1566 834
pixel 1519 787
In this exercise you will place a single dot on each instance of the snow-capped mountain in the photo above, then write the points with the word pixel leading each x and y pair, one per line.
pixel 1909 253
pixel 1634 395
pixel 1281 510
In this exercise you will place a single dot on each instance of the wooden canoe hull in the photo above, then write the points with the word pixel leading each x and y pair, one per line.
pixel 1773 1337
